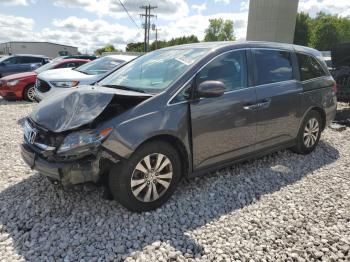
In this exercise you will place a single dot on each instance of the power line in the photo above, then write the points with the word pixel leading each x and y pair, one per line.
pixel 126 10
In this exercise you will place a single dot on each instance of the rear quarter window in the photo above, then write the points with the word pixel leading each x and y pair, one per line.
pixel 309 67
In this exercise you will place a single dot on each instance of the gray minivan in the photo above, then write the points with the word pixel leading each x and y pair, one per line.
pixel 180 112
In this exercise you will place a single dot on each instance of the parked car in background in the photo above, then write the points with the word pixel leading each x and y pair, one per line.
pixel 178 112
pixel 89 57
pixel 341 70
pixel 53 82
pixel 21 85
pixel 21 63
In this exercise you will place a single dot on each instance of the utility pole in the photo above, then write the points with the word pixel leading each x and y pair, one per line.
pixel 154 28
pixel 147 23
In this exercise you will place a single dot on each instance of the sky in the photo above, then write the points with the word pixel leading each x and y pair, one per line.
pixel 91 24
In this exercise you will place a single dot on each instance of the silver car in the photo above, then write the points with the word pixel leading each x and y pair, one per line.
pixel 59 80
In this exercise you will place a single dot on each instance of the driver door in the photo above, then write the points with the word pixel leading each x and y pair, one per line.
pixel 224 127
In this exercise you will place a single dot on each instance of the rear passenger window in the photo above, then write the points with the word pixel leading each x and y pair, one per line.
pixel 309 68
pixel 229 68
pixel 30 60
pixel 273 66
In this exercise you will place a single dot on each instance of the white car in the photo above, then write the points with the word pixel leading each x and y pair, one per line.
pixel 55 81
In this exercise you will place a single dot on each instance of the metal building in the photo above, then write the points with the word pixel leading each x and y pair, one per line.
pixel 272 20
pixel 38 48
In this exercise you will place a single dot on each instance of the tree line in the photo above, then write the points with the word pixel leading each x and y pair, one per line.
pixel 218 30
pixel 321 32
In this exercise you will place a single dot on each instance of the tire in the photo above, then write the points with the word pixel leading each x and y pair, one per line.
pixel 141 196
pixel 28 93
pixel 308 140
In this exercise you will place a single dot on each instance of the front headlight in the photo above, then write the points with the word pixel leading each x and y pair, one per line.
pixel 64 84
pixel 83 141
pixel 12 83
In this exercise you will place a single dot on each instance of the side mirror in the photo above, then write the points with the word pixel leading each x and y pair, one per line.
pixel 210 88
pixel 2 64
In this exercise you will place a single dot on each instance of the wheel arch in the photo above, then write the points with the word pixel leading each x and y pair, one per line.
pixel 179 147
pixel 318 110
pixel 25 88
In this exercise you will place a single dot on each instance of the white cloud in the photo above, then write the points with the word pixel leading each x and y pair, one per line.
pixel 199 8
pixel 13 27
pixel 166 9
pixel 335 7
pixel 14 2
pixel 90 34
pixel 222 1
pixel 197 24
pixel 245 5
pixel 81 32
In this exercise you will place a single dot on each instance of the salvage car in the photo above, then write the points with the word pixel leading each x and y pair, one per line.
pixel 21 63
pixel 179 112
pixel 21 85
pixel 52 82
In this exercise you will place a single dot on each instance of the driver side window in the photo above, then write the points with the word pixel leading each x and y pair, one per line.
pixel 229 68
pixel 10 61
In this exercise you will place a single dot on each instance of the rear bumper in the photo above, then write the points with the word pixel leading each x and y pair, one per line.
pixel 69 173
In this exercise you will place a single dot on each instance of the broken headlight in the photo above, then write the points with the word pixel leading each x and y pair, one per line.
pixel 83 141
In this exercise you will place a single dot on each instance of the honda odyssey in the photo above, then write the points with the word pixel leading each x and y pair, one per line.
pixel 180 112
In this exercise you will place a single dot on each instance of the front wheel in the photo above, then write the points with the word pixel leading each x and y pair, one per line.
pixel 309 134
pixel 148 178
pixel 29 93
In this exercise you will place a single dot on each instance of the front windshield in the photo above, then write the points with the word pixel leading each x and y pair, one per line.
pixel 3 58
pixel 47 66
pixel 155 71
pixel 99 66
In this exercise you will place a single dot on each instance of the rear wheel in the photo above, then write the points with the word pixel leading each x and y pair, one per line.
pixel 29 93
pixel 309 133
pixel 148 178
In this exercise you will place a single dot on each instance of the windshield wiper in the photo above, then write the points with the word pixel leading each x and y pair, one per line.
pixel 126 88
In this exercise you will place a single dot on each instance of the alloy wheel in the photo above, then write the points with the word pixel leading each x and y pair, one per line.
pixel 151 177
pixel 311 132
pixel 31 93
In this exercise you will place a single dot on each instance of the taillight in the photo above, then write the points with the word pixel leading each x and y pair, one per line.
pixel 334 88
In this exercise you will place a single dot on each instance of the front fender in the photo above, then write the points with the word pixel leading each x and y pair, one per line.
pixel 131 133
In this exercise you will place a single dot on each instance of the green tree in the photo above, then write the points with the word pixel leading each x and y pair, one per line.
pixel 135 47
pixel 107 48
pixel 302 29
pixel 139 47
pixel 219 30
pixel 325 33
pixel 344 29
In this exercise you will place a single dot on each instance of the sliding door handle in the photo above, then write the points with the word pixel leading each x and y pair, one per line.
pixel 251 107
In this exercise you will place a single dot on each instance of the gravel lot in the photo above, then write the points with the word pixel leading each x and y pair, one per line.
pixel 283 207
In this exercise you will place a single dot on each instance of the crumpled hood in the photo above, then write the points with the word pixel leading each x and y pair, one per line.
pixel 76 107
pixel 67 74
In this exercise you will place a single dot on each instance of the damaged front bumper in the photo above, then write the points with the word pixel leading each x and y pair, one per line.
pixel 87 169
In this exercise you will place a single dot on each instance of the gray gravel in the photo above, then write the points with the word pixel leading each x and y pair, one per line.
pixel 283 207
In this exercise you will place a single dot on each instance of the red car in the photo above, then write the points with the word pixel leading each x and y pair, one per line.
pixel 21 86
